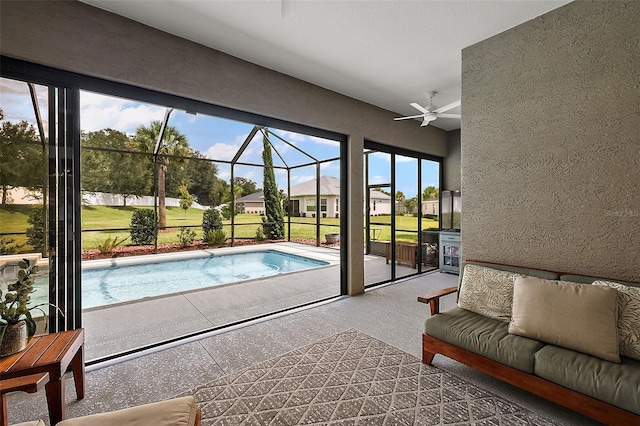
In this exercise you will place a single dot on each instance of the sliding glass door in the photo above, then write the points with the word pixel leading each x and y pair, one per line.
pixel 401 213
pixel 39 211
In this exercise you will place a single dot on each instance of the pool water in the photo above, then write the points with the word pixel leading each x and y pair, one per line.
pixel 124 283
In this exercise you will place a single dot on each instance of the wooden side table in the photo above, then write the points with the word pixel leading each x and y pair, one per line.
pixel 52 353
pixel 29 384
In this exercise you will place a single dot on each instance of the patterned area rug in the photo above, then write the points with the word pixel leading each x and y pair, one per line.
pixel 352 379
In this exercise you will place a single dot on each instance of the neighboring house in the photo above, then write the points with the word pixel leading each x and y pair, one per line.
pixel 302 199
pixel 431 207
pixel 251 204
pixel 380 203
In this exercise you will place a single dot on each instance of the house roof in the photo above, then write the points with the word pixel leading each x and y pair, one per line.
pixel 378 195
pixel 328 186
pixel 255 197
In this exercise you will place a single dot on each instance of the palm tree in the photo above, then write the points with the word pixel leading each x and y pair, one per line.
pixel 173 143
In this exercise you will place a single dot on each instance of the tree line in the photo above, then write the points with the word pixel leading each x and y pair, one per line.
pixel 117 163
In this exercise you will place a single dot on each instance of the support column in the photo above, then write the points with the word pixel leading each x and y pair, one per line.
pixel 355 264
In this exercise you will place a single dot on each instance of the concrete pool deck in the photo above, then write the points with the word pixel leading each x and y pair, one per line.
pixel 121 327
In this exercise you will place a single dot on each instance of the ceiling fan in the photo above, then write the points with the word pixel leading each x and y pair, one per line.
pixel 430 112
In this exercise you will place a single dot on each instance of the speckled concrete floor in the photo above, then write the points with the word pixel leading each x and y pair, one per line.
pixel 390 313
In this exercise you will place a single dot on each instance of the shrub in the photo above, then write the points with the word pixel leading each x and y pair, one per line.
pixel 226 211
pixel 143 227
pixel 107 246
pixel 9 246
pixel 186 199
pixel 35 233
pixel 211 220
pixel 260 234
pixel 217 237
pixel 186 236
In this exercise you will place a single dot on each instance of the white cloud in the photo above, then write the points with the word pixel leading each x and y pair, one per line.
pixel 100 112
pixel 376 180
pixel 291 136
pixel 324 141
pixel 387 157
pixel 15 101
pixel 226 151
pixel 222 151
pixel 301 178
pixel 401 159
pixel 330 165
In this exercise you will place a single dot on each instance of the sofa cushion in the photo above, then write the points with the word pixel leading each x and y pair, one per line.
pixel 487 291
pixel 581 317
pixel 628 318
pixel 616 384
pixel 173 412
pixel 483 336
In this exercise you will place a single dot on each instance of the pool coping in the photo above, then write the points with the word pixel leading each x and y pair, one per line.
pixel 197 254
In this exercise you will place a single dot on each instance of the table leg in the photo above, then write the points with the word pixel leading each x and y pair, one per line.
pixel 55 400
pixel 4 416
pixel 77 367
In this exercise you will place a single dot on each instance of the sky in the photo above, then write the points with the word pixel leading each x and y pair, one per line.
pixel 218 139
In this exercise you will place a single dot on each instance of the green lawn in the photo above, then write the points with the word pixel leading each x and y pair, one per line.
pixel 13 218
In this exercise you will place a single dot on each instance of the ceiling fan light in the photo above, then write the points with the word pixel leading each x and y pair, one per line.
pixel 427 119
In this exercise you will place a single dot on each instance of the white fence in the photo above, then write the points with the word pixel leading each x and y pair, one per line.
pixel 106 199
pixel 23 196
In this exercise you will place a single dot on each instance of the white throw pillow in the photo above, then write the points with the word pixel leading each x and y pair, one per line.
pixel 487 291
pixel 628 318
pixel 575 316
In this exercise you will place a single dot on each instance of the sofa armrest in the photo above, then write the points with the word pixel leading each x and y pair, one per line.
pixel 433 299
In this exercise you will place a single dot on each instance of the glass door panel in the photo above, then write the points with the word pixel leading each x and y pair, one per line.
pixel 24 176
pixel 406 216
pixel 430 212
pixel 378 208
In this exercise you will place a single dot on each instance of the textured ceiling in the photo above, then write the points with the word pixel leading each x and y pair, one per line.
pixel 386 53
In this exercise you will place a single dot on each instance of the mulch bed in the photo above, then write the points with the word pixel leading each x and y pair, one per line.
pixel 124 251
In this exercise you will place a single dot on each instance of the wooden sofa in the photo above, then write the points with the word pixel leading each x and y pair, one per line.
pixel 572 399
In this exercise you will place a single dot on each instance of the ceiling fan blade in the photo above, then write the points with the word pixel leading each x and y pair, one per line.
pixel 448 107
pixel 407 118
pixel 449 116
pixel 419 107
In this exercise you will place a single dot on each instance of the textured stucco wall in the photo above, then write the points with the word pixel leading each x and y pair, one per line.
pixel 77 37
pixel 550 145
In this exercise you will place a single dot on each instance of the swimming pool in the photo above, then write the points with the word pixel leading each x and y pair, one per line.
pixel 116 284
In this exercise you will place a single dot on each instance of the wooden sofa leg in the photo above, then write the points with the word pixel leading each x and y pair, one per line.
pixel 427 357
